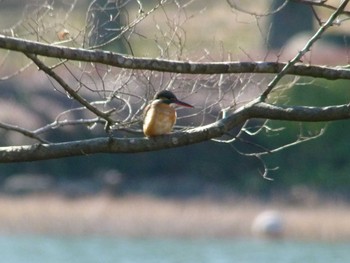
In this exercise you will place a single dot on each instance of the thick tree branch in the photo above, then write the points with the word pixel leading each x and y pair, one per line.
pixel 300 113
pixel 117 60
pixel 133 145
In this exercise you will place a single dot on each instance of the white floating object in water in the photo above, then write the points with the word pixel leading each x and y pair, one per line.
pixel 268 224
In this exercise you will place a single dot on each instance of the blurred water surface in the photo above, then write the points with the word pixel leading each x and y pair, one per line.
pixel 18 249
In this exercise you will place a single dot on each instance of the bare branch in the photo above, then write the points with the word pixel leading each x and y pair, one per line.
pixel 191 136
pixel 306 49
pixel 70 91
pixel 163 65
pixel 300 113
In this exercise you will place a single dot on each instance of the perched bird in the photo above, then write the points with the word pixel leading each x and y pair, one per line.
pixel 159 117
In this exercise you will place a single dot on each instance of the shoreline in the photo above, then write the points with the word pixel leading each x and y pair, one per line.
pixel 145 216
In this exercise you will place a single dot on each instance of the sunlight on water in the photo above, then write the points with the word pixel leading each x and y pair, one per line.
pixel 18 249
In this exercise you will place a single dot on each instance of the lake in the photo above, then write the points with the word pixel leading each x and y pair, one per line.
pixel 27 249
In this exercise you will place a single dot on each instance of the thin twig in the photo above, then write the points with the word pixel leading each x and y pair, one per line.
pixel 141 17
pixel 57 124
pixel 298 141
pixel 321 3
pixel 22 131
pixel 235 6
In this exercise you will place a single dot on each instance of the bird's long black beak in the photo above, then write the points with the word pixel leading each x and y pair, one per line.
pixel 181 103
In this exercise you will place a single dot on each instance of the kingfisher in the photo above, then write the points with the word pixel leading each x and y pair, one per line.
pixel 159 116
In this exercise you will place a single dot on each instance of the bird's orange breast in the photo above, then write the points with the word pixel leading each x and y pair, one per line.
pixel 159 119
